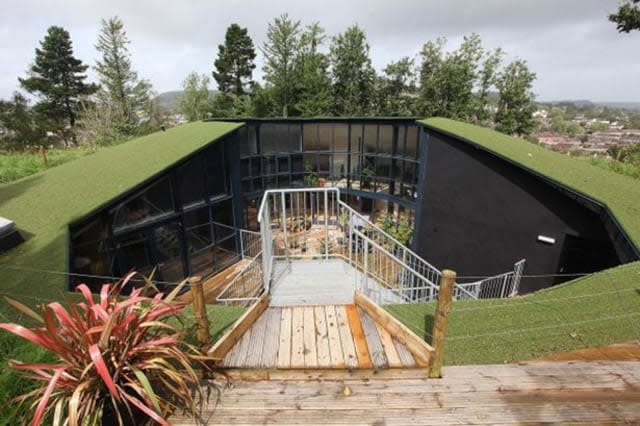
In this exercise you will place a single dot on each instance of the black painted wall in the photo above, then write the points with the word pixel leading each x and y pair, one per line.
pixel 481 214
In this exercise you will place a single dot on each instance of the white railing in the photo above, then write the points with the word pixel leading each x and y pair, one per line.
pixel 246 287
pixel 315 223
pixel 496 287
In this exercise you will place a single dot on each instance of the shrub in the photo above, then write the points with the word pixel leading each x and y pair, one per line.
pixel 114 357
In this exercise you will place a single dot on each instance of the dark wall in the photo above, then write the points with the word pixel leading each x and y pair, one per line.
pixel 481 214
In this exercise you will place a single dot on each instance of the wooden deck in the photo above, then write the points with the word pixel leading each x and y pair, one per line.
pixel 558 393
pixel 326 336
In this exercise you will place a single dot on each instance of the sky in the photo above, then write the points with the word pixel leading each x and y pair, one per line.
pixel 570 44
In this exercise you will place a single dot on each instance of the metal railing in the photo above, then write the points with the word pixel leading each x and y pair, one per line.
pixel 496 287
pixel 315 223
pixel 246 287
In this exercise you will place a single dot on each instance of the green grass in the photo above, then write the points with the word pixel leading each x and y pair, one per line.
pixel 620 193
pixel 14 166
pixel 626 169
pixel 43 205
pixel 600 309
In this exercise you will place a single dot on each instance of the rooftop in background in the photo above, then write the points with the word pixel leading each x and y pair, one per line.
pixel 43 205
pixel 621 194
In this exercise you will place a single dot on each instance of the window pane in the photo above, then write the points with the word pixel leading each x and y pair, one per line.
pixel 370 136
pixel 151 204
pixel 243 142
pixel 295 138
pixel 339 169
pixel 340 137
pixel 256 166
pixel 283 165
pixel 281 137
pixel 356 138
pixel 167 243
pixel 90 253
pixel 412 142
pixel 191 183
pixel 268 139
pixel 215 167
pixel 245 167
pixel 133 253
pixel 253 142
pixel 323 161
pixel 269 166
pixel 297 165
pixel 402 135
pixel 324 139
pixel 383 166
pixel 385 139
pixel 310 137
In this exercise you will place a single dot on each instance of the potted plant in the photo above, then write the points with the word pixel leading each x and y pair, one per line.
pixel 118 361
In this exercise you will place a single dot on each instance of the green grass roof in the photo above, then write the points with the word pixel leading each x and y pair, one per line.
pixel 621 194
pixel 43 205
pixel 599 309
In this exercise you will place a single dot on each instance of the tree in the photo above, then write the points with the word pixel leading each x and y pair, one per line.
pixel 21 123
pixel 448 80
pixel 515 105
pixel 194 102
pixel 352 74
pixel 314 84
pixel 627 18
pixel 280 51
pixel 234 65
pixel 58 79
pixel 488 78
pixel 129 96
pixel 396 89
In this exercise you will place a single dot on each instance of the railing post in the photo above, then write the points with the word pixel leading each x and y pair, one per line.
pixel 241 244
pixel 326 225
pixel 441 322
pixel 200 312
pixel 284 228
pixel 366 267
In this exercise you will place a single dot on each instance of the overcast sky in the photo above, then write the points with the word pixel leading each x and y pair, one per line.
pixel 575 51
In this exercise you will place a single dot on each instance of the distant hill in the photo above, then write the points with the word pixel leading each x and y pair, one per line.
pixel 170 100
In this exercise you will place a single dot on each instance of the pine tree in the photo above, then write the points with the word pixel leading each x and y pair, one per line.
pixel 234 65
pixel 21 123
pixel 280 71
pixel 395 91
pixel 627 17
pixel 58 79
pixel 129 96
pixel 515 106
pixel 314 84
pixel 352 74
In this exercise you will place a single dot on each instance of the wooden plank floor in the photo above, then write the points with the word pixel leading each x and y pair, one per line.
pixel 323 336
pixel 557 393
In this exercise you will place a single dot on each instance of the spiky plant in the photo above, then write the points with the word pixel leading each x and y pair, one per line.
pixel 117 356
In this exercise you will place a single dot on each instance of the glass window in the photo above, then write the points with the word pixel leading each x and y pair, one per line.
pixel 310 137
pixel 253 140
pixel 153 203
pixel 281 136
pixel 91 255
pixel 191 191
pixel 295 137
pixel 269 166
pixel 222 215
pixel 268 139
pixel 340 166
pixel 370 137
pixel 402 136
pixel 167 243
pixel 340 137
pixel 283 181
pixel 134 253
pixel 283 165
pixel 383 166
pixel 256 166
pixel 243 142
pixel 246 186
pixel 385 139
pixel 216 170
pixel 257 184
pixel 323 162
pixel 356 138
pixel 412 142
pixel 297 164
pixel 409 172
pixel 245 167
pixel 310 163
pixel 324 136
pixel 355 165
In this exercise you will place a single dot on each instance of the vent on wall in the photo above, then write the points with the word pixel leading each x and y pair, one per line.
pixel 9 235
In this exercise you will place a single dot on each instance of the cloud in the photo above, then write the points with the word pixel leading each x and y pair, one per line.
pixel 574 50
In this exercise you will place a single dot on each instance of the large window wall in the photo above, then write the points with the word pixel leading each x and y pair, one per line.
pixel 180 223
pixel 375 162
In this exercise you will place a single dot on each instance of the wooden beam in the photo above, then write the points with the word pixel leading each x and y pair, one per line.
pixel 233 335
pixel 441 322
pixel 420 349
pixel 362 349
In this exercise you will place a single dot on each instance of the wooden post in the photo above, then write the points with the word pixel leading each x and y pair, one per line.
pixel 200 312
pixel 445 298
